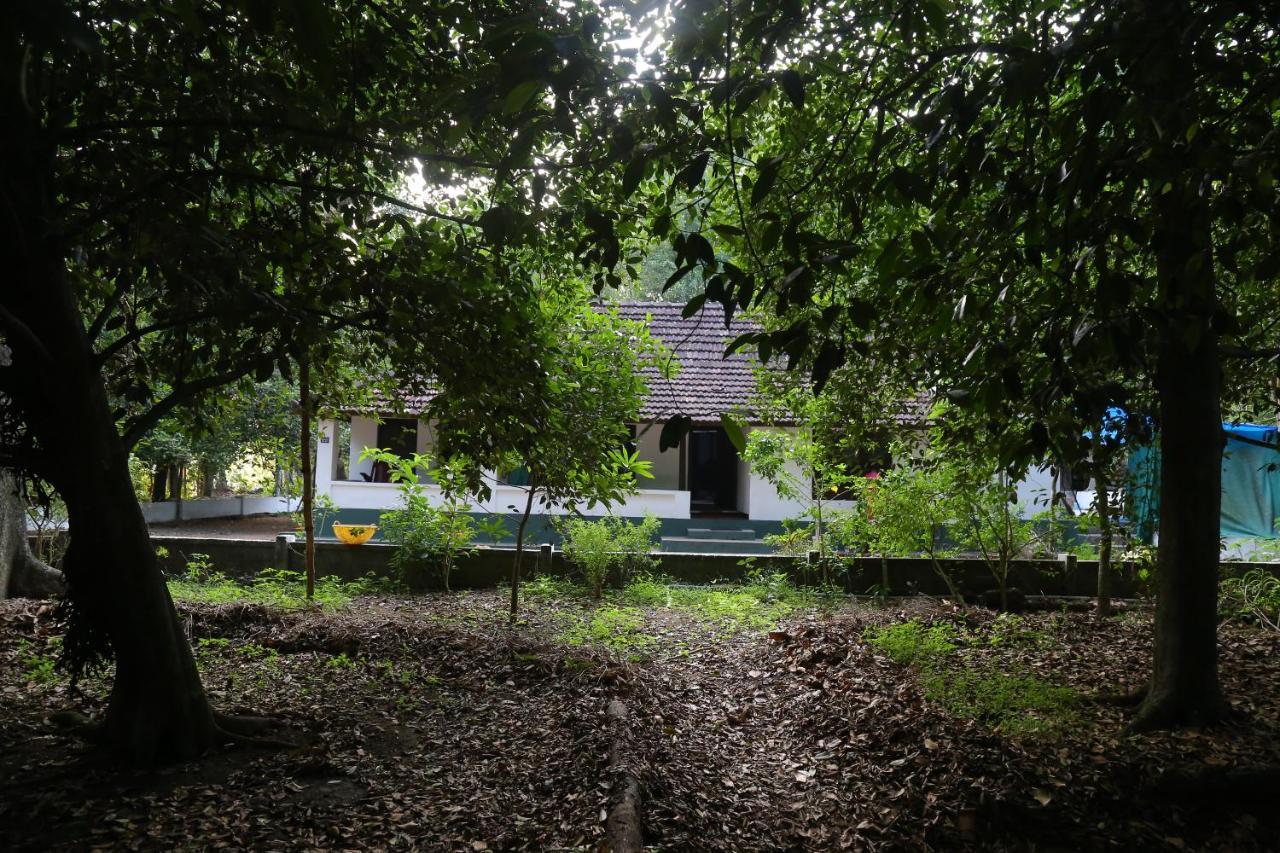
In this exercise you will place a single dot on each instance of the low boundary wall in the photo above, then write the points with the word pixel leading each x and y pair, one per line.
pixel 159 512
pixel 488 567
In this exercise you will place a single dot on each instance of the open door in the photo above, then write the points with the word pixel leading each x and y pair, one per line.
pixel 712 471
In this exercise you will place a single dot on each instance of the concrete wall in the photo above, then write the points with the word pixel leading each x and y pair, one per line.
pixel 666 464
pixel 165 511
pixel 488 567
pixel 364 433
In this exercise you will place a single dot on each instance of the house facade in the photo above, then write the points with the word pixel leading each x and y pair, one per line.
pixel 707 497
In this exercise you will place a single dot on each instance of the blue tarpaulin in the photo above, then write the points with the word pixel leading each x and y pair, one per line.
pixel 1250 481
pixel 1250 484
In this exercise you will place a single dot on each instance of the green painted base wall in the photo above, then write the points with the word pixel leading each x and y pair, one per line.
pixel 540 530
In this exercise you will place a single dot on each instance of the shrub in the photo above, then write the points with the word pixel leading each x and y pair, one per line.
pixel 202 584
pixel 429 536
pixel 610 546
pixel 1253 597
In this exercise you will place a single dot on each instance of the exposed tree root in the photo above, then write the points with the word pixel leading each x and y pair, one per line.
pixel 251 731
pixel 1168 711
pixel 1126 699
pixel 624 825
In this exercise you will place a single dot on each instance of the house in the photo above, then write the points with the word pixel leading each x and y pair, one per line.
pixel 706 496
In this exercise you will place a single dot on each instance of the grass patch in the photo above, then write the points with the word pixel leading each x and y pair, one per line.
pixel 756 605
pixel 913 642
pixel 1011 701
pixel 620 629
pixel 547 586
pixel 202 584
pixel 39 666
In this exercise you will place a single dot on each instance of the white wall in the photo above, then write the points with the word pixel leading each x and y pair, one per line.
pixel 364 433
pixel 326 455
pixel 1035 490
pixel 744 487
pixel 762 501
pixel 666 465
pixel 362 495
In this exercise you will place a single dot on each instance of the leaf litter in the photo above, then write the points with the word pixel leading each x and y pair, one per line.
pixel 426 723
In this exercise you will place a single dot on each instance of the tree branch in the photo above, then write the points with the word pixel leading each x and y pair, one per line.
pixel 113 302
pixel 88 131
pixel 140 333
pixel 330 189
pixel 139 426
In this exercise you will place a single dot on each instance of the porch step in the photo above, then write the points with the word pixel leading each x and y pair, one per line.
pixel 703 545
pixel 720 533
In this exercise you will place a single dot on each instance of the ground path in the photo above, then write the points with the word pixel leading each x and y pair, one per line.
pixel 428 725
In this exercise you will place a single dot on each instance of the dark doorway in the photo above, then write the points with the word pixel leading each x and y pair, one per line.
pixel 399 435
pixel 712 471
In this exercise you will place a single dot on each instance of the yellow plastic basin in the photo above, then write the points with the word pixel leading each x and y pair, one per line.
pixel 354 534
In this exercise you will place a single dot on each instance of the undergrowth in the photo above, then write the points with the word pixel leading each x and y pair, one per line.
pixel 997 694
pixel 756 605
pixel 620 629
pixel 286 590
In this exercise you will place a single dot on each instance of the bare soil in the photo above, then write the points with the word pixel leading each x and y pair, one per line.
pixel 425 723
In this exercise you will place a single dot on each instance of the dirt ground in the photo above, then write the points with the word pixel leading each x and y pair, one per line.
pixel 248 527
pixel 426 723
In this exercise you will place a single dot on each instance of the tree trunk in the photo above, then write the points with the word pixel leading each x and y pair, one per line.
pixel 515 566
pixel 1104 541
pixel 22 575
pixel 159 482
pixel 308 482
pixel 117 598
pixel 1184 687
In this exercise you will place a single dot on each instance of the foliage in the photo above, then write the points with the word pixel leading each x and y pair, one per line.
pixel 39 665
pixel 1252 597
pixel 610 547
pixel 46 524
pixel 551 586
pixel 799 464
pixel 911 508
pixel 1012 702
pixel 278 588
pixel 494 527
pixel 572 439
pixel 620 629
pixel 913 642
pixel 427 533
pixel 757 605
pixel 990 524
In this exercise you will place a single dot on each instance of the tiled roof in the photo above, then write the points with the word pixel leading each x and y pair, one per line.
pixel 707 382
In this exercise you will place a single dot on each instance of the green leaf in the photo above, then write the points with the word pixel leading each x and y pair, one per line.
pixel 691 174
pixel 634 174
pixel 733 430
pixel 519 97
pixel 793 85
pixel 767 178
pixel 673 432
pixel 694 305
